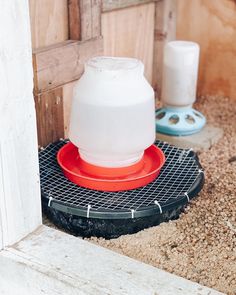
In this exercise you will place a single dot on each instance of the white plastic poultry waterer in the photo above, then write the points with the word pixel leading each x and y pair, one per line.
pixel 180 70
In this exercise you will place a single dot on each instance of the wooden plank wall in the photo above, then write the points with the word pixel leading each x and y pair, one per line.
pixel 130 32
pixel 65 33
pixel 213 25
pixel 49 22
pixel 49 26
pixel 165 31
pixel 67 30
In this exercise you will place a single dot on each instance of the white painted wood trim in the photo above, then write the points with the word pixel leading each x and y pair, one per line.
pixel 20 210
pixel 51 262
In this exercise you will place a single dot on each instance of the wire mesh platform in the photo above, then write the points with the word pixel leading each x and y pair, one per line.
pixel 83 211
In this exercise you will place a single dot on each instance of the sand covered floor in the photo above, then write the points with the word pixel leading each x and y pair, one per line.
pixel 201 244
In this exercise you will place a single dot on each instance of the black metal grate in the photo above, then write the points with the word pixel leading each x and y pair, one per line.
pixel 178 181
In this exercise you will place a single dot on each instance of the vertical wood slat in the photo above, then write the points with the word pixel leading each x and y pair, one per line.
pixel 68 89
pixel 84 24
pixel 96 10
pixel 130 33
pixel 165 31
pixel 74 19
pixel 84 19
pixel 49 110
pixel 49 22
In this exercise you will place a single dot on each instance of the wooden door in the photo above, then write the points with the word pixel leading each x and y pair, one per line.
pixel 65 33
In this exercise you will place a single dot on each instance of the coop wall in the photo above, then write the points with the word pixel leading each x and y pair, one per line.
pixel 65 33
pixel 213 25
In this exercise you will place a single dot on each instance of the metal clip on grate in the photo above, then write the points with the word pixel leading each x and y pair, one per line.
pixel 109 214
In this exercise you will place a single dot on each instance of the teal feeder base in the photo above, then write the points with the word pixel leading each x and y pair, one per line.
pixel 179 121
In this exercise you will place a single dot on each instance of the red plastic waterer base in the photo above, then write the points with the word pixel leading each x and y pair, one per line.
pixel 110 179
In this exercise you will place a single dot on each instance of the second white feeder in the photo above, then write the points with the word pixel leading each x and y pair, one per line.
pixel 179 84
